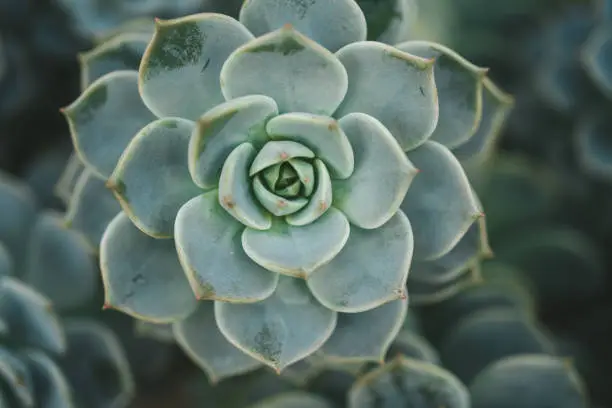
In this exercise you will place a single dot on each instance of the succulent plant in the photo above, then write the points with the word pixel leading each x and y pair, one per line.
pixel 255 150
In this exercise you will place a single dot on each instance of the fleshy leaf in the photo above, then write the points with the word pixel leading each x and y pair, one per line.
pixel 487 336
pixel 596 56
pixel 142 275
pixel 496 106
pixel 199 336
pixel 53 388
pixel 382 176
pixel 293 399
pixel 91 208
pixel 7 267
pixel 593 146
pixel 58 262
pixel 70 176
pixel 19 201
pixel 235 194
pixel 151 180
pixel 440 203
pixel 424 293
pixel 104 119
pixel 16 377
pixel 414 346
pixel 320 133
pixel 222 129
pixel 319 202
pixel 395 87
pixel 160 332
pixel 365 336
pixel 209 248
pixel 30 317
pixel 278 152
pixel 96 366
pixel 405 382
pixel 298 251
pixel 459 84
pixel 299 74
pixel 472 247
pixel 542 380
pixel 122 52
pixel 276 204
pixel 179 73
pixel 283 329
pixel 331 24
pixel 360 278
pixel 305 172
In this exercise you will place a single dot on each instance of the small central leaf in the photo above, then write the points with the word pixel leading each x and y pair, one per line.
pixel 288 176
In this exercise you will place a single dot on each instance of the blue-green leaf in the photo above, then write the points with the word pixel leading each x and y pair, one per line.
pixel 293 399
pixel 142 275
pixel 70 176
pixel 91 208
pixel 370 271
pixel 365 336
pixel 320 200
pixel 331 24
pixel 30 318
pixel 210 250
pixel 152 178
pixel 298 251
pixel 59 260
pixel 408 383
pixel 593 147
pixel 179 73
pixel 222 129
pixel 277 205
pixel 122 52
pixel 268 66
pixel 53 388
pixel 104 119
pixel 321 134
pixel 382 176
pixel 7 267
pixel 414 346
pixel 459 84
pixel 283 329
pixel 596 55
pixel 440 203
pixel 275 152
pixel 16 377
pixel 395 87
pixel 199 336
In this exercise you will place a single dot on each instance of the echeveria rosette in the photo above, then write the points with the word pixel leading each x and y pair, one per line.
pixel 283 171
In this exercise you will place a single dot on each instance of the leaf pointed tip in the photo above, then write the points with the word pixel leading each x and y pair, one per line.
pixel 107 306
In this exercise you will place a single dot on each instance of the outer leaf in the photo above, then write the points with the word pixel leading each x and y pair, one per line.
pixel 322 134
pixel 69 178
pixel 53 388
pixel 299 74
pixel 96 366
pixel 222 129
pixel 199 336
pixel 331 24
pixel 375 190
pixel 235 194
pixel 58 262
pixel 593 146
pixel 105 118
pixel 596 55
pixel 16 377
pixel 295 399
pixel 319 202
pixel 7 267
pixel 395 87
pixel 179 73
pixel 542 380
pixel 370 271
pixel 30 318
pixel 424 293
pixel 208 244
pixel 91 208
pixel 496 106
pixel 366 336
pixel 414 346
pixel 142 276
pixel 122 52
pixel 408 383
pixel 472 247
pixel 280 330
pixel 160 332
pixel 298 251
pixel 440 203
pixel 151 180
pixel 459 84
pixel 487 336
pixel 17 200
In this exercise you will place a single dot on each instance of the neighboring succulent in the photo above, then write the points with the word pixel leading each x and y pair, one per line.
pixel 56 262
pixel 225 145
